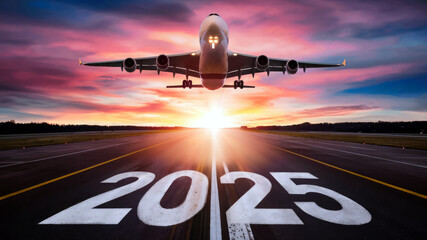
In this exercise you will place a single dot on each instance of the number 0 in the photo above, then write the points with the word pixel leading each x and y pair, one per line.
pixel 152 213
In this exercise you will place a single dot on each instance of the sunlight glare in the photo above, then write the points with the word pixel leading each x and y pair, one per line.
pixel 214 119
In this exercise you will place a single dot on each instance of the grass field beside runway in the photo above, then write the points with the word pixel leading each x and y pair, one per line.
pixel 394 141
pixel 33 141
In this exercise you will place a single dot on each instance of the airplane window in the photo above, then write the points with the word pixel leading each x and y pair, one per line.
pixel 213 40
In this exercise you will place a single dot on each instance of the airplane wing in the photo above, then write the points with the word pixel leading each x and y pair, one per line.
pixel 245 64
pixel 184 63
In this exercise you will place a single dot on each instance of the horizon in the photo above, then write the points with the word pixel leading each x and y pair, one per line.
pixel 41 43
pixel 136 125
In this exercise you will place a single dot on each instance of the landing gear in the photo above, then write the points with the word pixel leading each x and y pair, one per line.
pixel 238 84
pixel 187 83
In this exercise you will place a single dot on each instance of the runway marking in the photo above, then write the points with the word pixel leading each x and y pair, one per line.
pixel 413 157
pixel 238 231
pixel 244 210
pixel 61 155
pixel 342 145
pixel 79 171
pixel 225 167
pixel 356 174
pixel 152 213
pixel 86 212
pixel 351 213
pixel 149 209
pixel 360 154
pixel 10 162
pixel 215 224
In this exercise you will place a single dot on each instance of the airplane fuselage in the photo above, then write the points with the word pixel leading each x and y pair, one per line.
pixel 213 63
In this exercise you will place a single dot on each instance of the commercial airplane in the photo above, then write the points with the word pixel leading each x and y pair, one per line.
pixel 213 63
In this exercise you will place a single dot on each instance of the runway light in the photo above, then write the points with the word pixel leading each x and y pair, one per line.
pixel 235 54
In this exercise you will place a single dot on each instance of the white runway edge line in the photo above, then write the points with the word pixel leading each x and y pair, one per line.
pixel 61 155
pixel 337 145
pixel 215 225
pixel 360 154
pixel 279 137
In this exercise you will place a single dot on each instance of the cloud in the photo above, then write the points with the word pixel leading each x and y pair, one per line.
pixel 333 110
pixel 91 15
pixel 8 114
pixel 385 43
pixel 315 114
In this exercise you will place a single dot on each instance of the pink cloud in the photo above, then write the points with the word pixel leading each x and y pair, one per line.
pixel 277 29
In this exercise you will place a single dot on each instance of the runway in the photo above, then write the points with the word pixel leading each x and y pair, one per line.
pixel 224 184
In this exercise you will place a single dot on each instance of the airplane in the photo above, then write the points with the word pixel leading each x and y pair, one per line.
pixel 213 63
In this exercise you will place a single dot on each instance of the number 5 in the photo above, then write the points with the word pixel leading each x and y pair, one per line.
pixel 350 214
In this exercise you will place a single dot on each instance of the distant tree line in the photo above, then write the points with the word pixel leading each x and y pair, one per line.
pixel 11 127
pixel 365 127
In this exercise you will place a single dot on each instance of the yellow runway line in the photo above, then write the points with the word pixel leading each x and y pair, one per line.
pixel 356 174
pixel 79 171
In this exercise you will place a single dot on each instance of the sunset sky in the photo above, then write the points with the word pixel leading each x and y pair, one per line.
pixel 384 42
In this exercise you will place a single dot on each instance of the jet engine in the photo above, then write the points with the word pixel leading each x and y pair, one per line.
pixel 162 62
pixel 129 64
pixel 262 62
pixel 292 66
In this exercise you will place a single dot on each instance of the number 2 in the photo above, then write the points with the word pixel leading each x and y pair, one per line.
pixel 86 213
pixel 243 211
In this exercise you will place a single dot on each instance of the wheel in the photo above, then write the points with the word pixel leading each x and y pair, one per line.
pixel 235 84
pixel 184 84
pixel 241 84
pixel 190 84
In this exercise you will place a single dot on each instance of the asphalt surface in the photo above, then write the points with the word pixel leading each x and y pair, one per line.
pixel 198 184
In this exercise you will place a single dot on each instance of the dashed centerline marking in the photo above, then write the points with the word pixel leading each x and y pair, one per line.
pixel 79 171
pixel 356 174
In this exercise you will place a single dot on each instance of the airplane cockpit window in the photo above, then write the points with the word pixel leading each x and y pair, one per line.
pixel 213 40
pixel 214 14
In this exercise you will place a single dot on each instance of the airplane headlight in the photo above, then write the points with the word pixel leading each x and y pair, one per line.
pixel 213 40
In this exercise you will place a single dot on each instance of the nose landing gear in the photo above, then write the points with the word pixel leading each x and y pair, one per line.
pixel 238 84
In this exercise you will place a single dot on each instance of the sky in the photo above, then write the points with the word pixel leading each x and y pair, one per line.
pixel 384 42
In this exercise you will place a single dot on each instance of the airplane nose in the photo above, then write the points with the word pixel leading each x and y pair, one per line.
pixel 213 84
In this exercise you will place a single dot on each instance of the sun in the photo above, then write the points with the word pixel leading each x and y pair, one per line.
pixel 214 119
